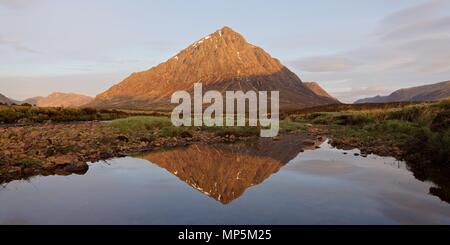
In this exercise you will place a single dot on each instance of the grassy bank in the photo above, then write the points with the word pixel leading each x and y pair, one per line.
pixel 421 130
pixel 161 126
pixel 33 114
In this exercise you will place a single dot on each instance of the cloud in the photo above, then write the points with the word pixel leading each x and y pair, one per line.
pixel 17 45
pixel 430 54
pixel 409 47
pixel 18 4
pixel 325 63
pixel 414 13
pixel 423 28
pixel 351 94
pixel 419 20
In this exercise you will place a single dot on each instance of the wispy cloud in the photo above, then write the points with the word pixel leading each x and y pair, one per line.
pixel 413 13
pixel 423 20
pixel 17 45
pixel 351 94
pixel 18 4
pixel 412 43
pixel 327 63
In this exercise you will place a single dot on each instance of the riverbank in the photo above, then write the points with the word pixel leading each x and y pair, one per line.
pixel 66 148
pixel 417 133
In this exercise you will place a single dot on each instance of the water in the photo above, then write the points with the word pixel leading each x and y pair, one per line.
pixel 263 182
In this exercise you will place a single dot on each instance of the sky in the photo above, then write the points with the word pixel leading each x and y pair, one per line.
pixel 353 48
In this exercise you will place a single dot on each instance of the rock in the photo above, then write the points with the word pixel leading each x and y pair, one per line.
pixel 105 155
pixel 14 170
pixel 145 139
pixel 121 154
pixel 356 154
pixel 28 171
pixel 61 172
pixel 185 134
pixel 24 121
pixel 122 138
pixel 309 142
pixel 48 166
pixel 62 159
pixel 79 168
pixel 34 134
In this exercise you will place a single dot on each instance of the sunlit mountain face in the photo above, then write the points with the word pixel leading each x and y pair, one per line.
pixel 225 171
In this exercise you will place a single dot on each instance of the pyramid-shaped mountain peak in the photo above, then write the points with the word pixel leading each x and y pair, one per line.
pixel 221 61
pixel 222 38
pixel 228 32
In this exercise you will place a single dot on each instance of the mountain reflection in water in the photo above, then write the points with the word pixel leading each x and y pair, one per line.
pixel 261 182
pixel 225 171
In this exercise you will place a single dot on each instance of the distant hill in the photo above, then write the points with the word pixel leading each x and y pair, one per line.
pixel 430 92
pixel 60 100
pixel 317 89
pixel 222 61
pixel 5 100
pixel 33 100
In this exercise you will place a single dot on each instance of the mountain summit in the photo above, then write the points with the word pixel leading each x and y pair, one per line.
pixel 221 61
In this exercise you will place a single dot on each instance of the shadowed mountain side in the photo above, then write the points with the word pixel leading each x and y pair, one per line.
pixel 5 100
pixel 225 171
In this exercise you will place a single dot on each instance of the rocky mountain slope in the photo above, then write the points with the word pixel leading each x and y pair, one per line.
pixel 222 61
pixel 316 88
pixel 430 92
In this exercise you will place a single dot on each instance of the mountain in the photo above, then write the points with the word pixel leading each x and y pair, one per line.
pixel 430 92
pixel 60 100
pixel 317 89
pixel 222 61
pixel 33 100
pixel 5 100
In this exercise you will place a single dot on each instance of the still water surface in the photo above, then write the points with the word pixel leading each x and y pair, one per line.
pixel 263 182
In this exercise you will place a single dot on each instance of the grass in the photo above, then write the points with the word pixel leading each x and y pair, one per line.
pixel 162 126
pixel 150 125
pixel 29 163
pixel 289 125
pixel 32 114
pixel 139 123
